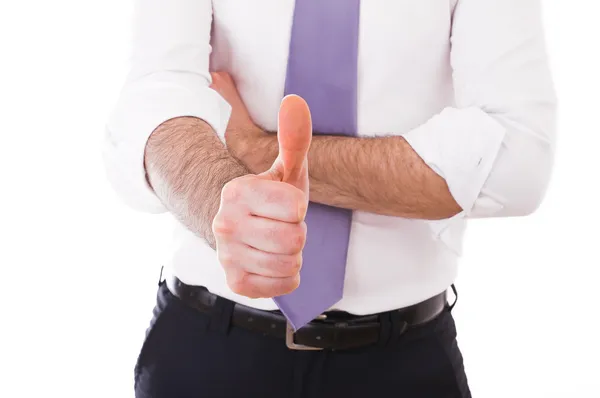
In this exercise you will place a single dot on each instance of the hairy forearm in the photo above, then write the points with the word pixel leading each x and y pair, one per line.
pixel 187 166
pixel 380 175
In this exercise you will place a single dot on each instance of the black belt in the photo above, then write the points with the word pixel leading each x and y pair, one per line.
pixel 332 330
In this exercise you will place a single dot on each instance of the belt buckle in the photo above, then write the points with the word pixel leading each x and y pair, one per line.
pixel 291 343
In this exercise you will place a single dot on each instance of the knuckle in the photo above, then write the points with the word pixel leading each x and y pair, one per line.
pixel 238 282
pixel 297 238
pixel 300 202
pixel 217 75
pixel 222 226
pixel 295 282
pixel 290 284
pixel 220 80
pixel 230 192
pixel 216 79
pixel 294 264
pixel 227 259
pixel 299 196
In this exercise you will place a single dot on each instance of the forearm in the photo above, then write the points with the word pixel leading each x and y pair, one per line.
pixel 379 175
pixel 187 166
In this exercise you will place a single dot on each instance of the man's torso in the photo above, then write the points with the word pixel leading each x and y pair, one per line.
pixel 404 78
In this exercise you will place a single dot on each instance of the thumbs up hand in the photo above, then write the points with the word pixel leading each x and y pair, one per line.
pixel 259 228
pixel 294 135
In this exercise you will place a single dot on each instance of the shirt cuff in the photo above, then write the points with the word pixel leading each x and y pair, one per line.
pixel 461 145
pixel 141 108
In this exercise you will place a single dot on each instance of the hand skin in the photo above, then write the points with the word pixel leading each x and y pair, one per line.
pixel 255 222
pixel 259 229
pixel 381 175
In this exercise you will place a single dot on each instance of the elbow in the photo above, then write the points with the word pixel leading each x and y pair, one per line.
pixel 531 197
pixel 524 165
pixel 524 171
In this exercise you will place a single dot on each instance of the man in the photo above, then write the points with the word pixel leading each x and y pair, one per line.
pixel 423 114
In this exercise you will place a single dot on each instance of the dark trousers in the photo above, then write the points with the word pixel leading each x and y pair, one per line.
pixel 187 354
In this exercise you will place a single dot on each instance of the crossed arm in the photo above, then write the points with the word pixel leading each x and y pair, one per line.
pixel 491 155
pixel 187 166
pixel 382 175
pixel 364 175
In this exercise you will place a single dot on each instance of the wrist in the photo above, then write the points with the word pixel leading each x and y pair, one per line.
pixel 259 152
pixel 240 141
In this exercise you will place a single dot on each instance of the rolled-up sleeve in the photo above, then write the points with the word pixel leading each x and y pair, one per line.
pixel 495 147
pixel 169 78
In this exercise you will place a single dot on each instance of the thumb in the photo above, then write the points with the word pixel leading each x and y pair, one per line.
pixel 294 135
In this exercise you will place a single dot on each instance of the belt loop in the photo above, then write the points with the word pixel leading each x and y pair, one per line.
pixel 399 326
pixel 160 277
pixel 385 329
pixel 455 297
pixel 220 317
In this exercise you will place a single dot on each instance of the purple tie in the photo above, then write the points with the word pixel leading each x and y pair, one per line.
pixel 322 69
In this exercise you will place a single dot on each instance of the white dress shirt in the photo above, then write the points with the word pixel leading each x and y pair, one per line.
pixel 466 82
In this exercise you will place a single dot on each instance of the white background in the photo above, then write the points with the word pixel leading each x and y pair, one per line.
pixel 79 270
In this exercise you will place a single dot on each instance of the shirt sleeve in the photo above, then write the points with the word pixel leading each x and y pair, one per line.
pixel 169 78
pixel 495 147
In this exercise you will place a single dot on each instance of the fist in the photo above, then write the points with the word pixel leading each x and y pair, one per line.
pixel 259 228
